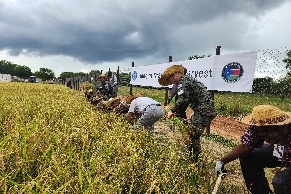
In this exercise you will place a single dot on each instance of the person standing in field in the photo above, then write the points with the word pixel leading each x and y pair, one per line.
pixel 266 124
pixel 113 82
pixel 104 91
pixel 150 111
pixel 198 97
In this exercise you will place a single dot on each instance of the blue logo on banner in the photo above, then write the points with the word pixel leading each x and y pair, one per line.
pixel 134 75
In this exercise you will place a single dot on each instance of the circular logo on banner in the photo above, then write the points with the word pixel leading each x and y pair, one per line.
pixel 232 72
pixel 134 75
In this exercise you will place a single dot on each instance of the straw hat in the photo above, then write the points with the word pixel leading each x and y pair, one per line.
pixel 266 115
pixel 132 97
pixel 110 101
pixel 102 75
pixel 168 72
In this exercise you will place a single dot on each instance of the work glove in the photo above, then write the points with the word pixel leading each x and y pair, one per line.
pixel 219 167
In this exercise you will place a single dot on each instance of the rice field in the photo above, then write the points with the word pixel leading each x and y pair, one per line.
pixel 54 141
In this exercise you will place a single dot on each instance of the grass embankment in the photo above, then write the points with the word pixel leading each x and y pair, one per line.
pixel 52 141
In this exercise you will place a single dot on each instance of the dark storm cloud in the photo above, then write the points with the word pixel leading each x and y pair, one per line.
pixel 94 32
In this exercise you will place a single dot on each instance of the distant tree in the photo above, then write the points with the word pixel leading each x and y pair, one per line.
pixel 64 75
pixel 45 74
pixel 79 74
pixel 124 79
pixel 283 87
pixel 7 67
pixel 95 72
pixel 23 71
pixel 263 85
pixel 287 61
pixel 198 56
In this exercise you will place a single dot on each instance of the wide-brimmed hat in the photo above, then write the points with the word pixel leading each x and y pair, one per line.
pixel 168 72
pixel 102 75
pixel 132 97
pixel 266 115
pixel 110 101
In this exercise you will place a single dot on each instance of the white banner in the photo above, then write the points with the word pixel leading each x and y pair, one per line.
pixel 5 78
pixel 234 72
pixel 231 72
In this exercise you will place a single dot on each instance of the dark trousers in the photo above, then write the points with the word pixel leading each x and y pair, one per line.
pixel 253 171
pixel 182 112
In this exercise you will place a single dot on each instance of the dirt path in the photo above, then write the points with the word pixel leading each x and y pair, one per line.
pixel 228 127
pixel 225 126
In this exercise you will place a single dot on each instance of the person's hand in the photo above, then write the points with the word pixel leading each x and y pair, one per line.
pixel 219 167
pixel 190 116
pixel 170 114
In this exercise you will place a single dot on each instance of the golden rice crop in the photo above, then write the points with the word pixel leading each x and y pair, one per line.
pixel 52 140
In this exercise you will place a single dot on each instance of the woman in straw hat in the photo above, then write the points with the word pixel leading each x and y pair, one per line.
pixel 150 110
pixel 270 124
pixel 198 97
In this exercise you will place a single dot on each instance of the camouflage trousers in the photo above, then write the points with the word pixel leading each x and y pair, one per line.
pixel 194 144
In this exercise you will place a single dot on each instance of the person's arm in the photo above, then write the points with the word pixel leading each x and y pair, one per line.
pixel 239 151
pixel 174 92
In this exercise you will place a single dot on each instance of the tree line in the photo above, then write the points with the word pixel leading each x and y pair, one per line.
pixel 24 72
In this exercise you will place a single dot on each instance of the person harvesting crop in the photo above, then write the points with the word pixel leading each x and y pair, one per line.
pixel 266 124
pixel 150 110
pixel 198 97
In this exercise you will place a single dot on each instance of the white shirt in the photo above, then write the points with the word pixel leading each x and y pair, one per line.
pixel 113 82
pixel 140 103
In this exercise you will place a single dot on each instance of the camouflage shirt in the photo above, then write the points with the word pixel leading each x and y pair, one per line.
pixel 106 92
pixel 196 94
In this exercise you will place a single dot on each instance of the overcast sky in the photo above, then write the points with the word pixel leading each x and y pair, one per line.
pixel 84 35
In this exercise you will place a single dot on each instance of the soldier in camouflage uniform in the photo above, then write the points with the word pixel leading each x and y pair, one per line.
pixel 198 97
pixel 105 90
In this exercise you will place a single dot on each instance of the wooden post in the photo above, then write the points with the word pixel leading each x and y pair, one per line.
pixel 213 91
pixel 130 89
pixel 167 88
pixel 117 75
pixel 78 83
pixel 95 78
